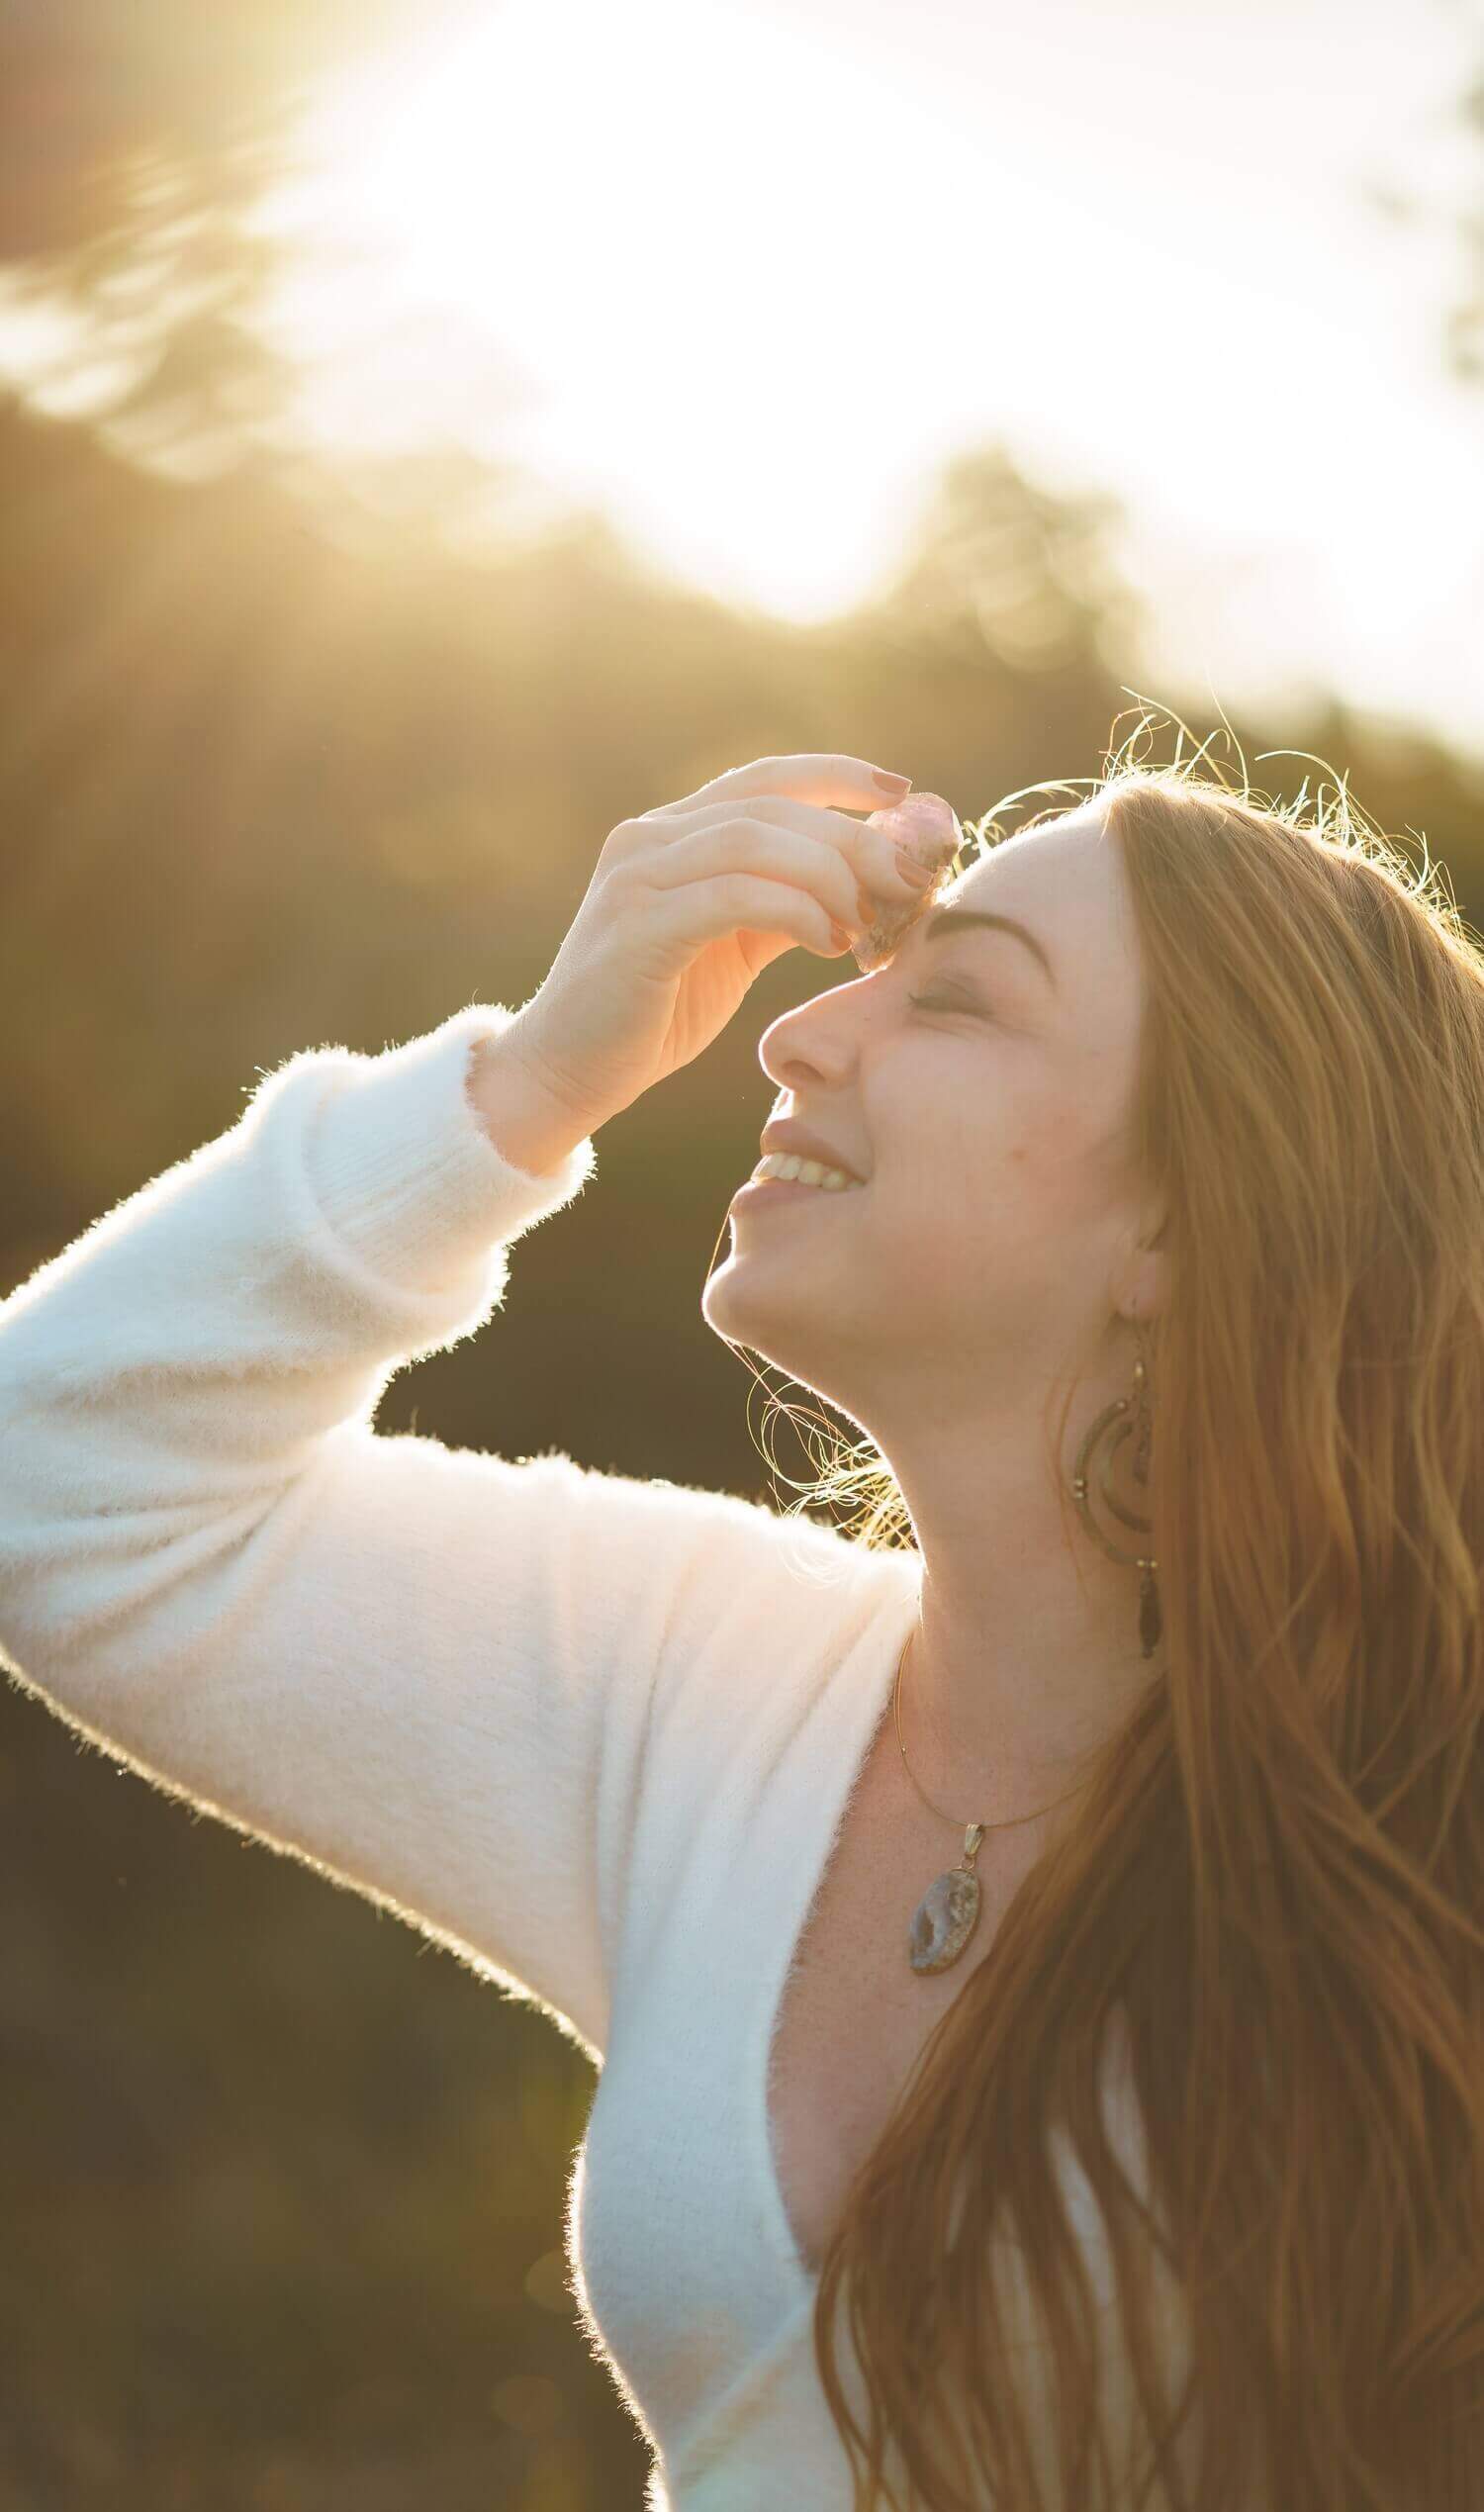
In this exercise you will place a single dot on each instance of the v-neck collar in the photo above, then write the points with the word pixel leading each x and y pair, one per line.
pixel 868 1694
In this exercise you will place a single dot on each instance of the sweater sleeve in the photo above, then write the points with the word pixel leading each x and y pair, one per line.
pixel 425 1671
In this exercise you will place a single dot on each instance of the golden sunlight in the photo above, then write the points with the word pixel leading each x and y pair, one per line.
pixel 651 255
pixel 748 282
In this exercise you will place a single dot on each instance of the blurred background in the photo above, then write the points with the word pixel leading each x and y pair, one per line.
pixel 428 436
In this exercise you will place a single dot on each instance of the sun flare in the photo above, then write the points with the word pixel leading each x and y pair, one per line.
pixel 747 278
pixel 644 253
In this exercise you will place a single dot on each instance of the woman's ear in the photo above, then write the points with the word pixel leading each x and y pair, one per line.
pixel 1146 1283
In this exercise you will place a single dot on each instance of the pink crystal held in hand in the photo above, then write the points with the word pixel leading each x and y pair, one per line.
pixel 928 828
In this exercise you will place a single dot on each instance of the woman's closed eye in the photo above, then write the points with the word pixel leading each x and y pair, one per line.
pixel 946 1002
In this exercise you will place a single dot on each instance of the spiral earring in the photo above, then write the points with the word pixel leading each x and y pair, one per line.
pixel 1108 1432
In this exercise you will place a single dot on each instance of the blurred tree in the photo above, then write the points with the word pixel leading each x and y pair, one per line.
pixel 1001 567
pixel 1464 218
pixel 134 145
pixel 1465 335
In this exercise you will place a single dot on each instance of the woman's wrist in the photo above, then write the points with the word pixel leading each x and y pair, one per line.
pixel 522 1122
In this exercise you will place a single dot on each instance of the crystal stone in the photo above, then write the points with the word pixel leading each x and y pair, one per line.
pixel 943 1921
pixel 928 828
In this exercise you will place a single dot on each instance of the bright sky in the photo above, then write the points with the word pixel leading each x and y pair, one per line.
pixel 747 274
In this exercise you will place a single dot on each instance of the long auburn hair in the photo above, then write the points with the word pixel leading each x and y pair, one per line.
pixel 1271 1897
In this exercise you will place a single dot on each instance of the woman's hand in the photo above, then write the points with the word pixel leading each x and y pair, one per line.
pixel 687 905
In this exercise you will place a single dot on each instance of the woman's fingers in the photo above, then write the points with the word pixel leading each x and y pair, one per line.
pixel 871 857
pixel 830 778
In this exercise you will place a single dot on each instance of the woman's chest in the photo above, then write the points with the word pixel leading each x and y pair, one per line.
pixel 855 2018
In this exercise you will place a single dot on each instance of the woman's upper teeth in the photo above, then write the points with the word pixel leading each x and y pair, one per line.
pixel 808 1172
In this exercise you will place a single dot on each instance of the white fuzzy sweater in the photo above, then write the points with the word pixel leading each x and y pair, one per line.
pixel 596 1734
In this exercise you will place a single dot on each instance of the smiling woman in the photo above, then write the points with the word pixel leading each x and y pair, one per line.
pixel 1178 2175
pixel 1244 1868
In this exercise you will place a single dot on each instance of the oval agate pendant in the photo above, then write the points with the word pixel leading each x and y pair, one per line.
pixel 946 1917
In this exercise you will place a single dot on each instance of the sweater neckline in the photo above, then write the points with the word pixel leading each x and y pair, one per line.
pixel 867 1693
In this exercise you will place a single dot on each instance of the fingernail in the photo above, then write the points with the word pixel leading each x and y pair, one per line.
pixel 842 938
pixel 896 787
pixel 910 869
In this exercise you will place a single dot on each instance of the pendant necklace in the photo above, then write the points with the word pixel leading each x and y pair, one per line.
pixel 948 1914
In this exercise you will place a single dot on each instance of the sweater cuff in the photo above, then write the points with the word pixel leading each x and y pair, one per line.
pixel 402 1165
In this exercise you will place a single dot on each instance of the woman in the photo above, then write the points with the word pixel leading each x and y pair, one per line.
pixel 1031 1946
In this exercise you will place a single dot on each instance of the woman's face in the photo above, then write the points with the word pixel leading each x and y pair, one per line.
pixel 989 1120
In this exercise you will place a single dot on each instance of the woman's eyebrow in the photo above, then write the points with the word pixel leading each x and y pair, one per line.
pixel 944 922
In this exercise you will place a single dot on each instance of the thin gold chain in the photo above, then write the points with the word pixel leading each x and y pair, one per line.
pixel 927 1801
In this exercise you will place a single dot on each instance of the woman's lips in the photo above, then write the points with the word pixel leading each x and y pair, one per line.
pixel 927 827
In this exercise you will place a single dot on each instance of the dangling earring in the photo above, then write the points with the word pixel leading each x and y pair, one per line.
pixel 1141 1429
